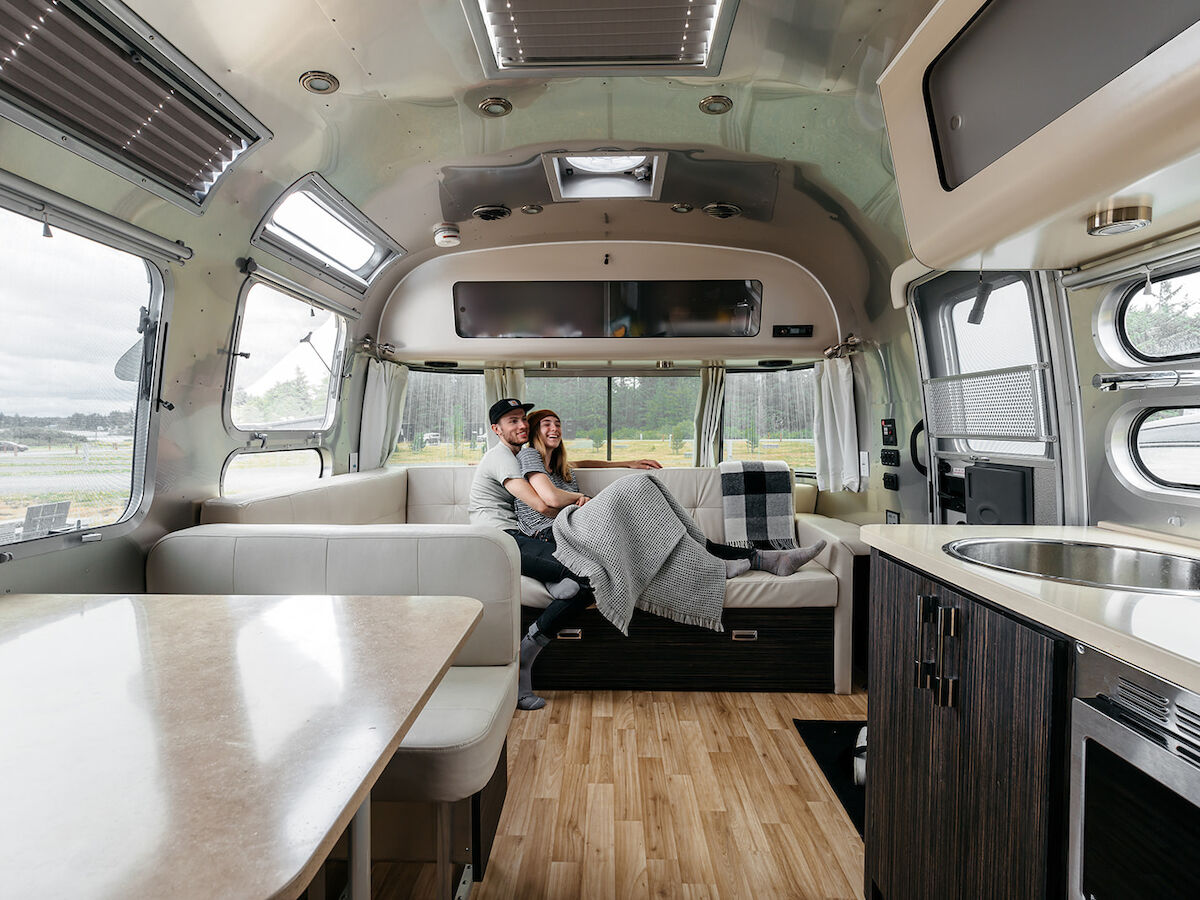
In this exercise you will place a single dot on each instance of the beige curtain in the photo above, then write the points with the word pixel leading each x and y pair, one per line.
pixel 709 409
pixel 500 382
pixel 835 427
pixel 383 406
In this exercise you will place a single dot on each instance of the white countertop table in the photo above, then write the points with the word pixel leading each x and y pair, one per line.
pixel 1156 632
pixel 156 746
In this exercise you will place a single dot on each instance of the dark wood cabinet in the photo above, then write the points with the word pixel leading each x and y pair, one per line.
pixel 965 767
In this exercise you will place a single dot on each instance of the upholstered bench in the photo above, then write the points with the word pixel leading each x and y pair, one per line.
pixel 789 633
pixel 455 749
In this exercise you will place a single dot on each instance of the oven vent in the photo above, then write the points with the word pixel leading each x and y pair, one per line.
pixel 1143 701
pixel 1188 722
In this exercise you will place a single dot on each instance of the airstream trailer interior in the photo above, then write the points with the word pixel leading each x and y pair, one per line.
pixel 915 284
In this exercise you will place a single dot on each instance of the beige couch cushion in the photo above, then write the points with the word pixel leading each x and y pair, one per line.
pixel 456 739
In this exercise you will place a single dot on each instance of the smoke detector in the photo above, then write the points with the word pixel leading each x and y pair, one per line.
pixel 491 212
pixel 446 235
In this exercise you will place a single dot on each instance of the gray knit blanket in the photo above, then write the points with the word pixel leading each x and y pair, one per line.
pixel 758 504
pixel 639 548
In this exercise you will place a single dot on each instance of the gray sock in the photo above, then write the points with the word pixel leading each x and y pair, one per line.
pixel 562 590
pixel 531 646
pixel 787 562
pixel 735 567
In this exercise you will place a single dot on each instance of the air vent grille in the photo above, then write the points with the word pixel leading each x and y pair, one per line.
pixel 99 82
pixel 722 210
pixel 491 213
pixel 1188 722
pixel 517 36
pixel 1143 701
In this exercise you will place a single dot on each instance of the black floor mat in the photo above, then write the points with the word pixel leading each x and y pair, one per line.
pixel 832 746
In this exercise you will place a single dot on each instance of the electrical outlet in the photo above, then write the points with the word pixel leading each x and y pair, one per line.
pixel 864 464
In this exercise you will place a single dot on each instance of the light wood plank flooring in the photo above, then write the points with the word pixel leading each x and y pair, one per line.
pixel 700 796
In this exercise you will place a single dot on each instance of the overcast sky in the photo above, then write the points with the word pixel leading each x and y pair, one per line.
pixel 70 309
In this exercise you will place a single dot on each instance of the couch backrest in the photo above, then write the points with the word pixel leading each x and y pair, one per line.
pixel 461 560
pixel 438 495
pixel 363 498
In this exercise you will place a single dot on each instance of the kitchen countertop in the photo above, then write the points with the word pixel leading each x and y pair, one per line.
pixel 1156 632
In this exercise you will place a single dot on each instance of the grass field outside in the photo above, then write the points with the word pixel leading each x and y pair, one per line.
pixel 94 477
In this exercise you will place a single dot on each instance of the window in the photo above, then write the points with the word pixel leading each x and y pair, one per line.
pixel 286 350
pixel 769 415
pixel 1003 336
pixel 75 379
pixel 1167 446
pixel 444 420
pixel 1163 322
pixel 316 229
pixel 652 415
pixel 272 470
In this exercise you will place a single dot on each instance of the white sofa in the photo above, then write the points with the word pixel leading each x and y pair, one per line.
pixel 455 749
pixel 802 620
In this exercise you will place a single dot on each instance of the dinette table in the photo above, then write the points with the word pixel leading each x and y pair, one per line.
pixel 156 746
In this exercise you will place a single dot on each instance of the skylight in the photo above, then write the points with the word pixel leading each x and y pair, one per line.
pixel 601 36
pixel 94 78
pixel 582 176
pixel 316 229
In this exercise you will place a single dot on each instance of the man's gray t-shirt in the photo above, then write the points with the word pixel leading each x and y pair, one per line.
pixel 489 502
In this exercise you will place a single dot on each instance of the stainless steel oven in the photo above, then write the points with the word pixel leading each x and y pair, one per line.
pixel 1135 784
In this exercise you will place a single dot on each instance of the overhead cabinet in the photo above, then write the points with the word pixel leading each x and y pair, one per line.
pixel 966 771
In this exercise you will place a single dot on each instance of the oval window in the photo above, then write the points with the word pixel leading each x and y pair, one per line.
pixel 1166 444
pixel 1162 322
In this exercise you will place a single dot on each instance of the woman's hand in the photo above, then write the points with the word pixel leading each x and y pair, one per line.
pixel 583 498
pixel 644 464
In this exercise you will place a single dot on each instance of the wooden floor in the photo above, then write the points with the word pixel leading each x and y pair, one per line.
pixel 634 795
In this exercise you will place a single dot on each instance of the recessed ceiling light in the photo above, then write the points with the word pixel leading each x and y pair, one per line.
pixel 319 82
pixel 531 209
pixel 681 207
pixel 1118 221
pixel 495 107
pixel 604 165
pixel 716 105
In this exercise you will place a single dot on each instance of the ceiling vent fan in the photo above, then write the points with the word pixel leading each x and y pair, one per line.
pixel 722 210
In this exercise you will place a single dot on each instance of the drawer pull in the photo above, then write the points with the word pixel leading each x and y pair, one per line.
pixel 745 634
pixel 570 634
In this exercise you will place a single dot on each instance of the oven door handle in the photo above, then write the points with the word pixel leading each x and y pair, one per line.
pixel 1090 723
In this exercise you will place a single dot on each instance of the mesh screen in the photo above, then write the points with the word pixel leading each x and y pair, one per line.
pixel 68 71
pixel 1003 404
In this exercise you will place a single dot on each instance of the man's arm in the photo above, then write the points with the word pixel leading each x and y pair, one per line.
pixel 523 491
pixel 617 464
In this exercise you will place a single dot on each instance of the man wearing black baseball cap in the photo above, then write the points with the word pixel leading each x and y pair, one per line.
pixel 498 483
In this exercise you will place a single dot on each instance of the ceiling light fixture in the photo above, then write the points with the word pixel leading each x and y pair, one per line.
pixel 604 165
pixel 531 209
pixel 1118 221
pixel 716 105
pixel 495 107
pixel 682 207
pixel 319 82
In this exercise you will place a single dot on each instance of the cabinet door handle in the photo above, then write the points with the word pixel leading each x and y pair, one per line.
pixel 945 687
pixel 923 669
pixel 570 634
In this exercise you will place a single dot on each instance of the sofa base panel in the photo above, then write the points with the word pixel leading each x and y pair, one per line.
pixel 793 651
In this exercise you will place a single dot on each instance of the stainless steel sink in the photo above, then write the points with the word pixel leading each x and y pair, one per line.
pixel 1078 562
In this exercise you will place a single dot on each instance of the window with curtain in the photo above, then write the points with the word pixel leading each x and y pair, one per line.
pixel 444 421
pixel 769 415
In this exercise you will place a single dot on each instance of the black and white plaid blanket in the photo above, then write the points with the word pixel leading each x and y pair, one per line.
pixel 758 504
pixel 639 548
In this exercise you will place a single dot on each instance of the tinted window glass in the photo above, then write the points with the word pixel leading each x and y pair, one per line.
pixel 272 470
pixel 444 420
pixel 284 381
pixel 769 415
pixel 1168 446
pixel 71 359
pixel 1165 323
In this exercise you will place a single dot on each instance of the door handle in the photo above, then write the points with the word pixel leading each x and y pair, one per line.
pixel 924 669
pixel 945 687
